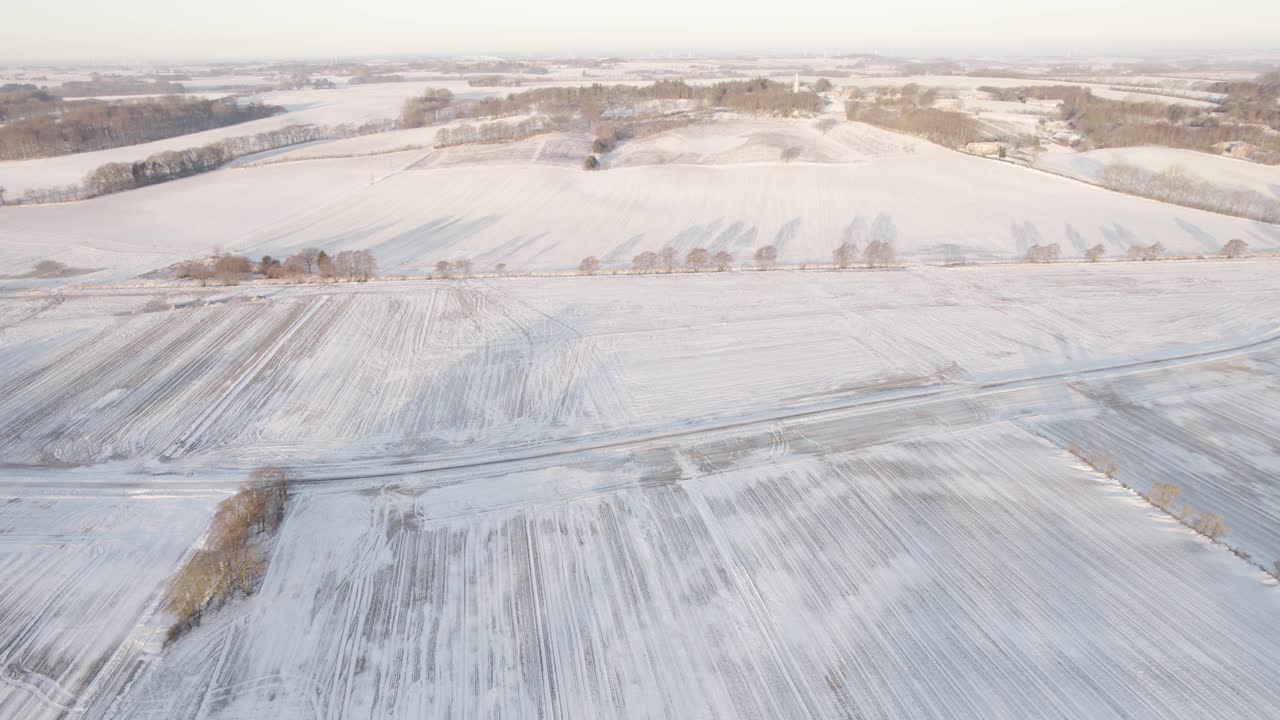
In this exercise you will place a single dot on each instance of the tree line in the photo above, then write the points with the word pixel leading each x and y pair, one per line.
pixel 1177 186
pixel 174 164
pixel 229 269
pixel 592 102
pixel 497 131
pixel 117 85
pixel 95 125
pixel 21 101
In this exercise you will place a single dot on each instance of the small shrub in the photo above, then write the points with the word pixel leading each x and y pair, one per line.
pixel 1163 494
pixel 1210 525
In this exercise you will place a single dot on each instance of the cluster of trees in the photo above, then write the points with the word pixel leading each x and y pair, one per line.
pixel 459 268
pixel 666 260
pixel 93 125
pixel 1252 101
pixel 228 269
pixel 21 101
pixel 174 164
pixel 494 81
pixel 1176 185
pixel 877 253
pixel 1234 248
pixel 427 108
pixel 233 559
pixel 594 102
pixel 351 265
pixel 944 127
pixel 490 66
pixel 1117 123
pixel 367 77
pixel 497 131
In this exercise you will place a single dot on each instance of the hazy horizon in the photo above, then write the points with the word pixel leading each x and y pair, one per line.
pixel 147 30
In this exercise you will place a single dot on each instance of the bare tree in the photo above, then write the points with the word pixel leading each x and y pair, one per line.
pixel 1163 494
pixel 766 256
pixel 1095 252
pixel 366 265
pixel 667 259
pixel 590 265
pixel 645 262
pixel 462 267
pixel 1235 248
pixel 791 153
pixel 1043 253
pixel 697 259
pixel 722 261
pixel 1210 525
pixel 295 266
pixel 444 269
pixel 309 256
pixel 230 269
pixel 500 268
pixel 324 264
pixel 844 255
pixel 878 252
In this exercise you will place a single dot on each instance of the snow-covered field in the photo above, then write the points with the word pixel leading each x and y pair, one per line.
pixel 775 495
pixel 802 493
pixel 529 205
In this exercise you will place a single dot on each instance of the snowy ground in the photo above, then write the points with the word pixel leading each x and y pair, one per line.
pixel 775 495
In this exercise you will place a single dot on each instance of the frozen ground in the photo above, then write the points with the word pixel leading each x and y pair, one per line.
pixel 774 495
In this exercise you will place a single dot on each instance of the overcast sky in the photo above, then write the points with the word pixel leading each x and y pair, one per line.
pixel 113 30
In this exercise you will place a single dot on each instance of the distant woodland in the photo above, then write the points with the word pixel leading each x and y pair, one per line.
pixel 594 102
pixel 1250 114
pixel 117 85
pixel 95 125
pixel 910 110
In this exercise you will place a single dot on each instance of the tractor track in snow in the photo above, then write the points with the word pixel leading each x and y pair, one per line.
pixel 405 467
